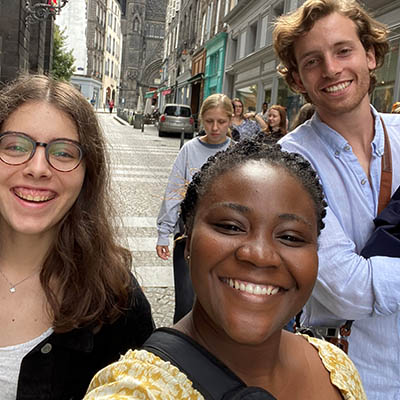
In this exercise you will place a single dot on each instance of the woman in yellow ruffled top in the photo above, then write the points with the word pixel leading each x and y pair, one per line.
pixel 252 217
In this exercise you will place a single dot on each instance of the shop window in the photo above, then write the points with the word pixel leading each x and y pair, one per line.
pixel 382 96
pixel 267 96
pixel 289 99
pixel 248 95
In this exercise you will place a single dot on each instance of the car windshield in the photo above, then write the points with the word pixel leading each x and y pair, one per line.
pixel 177 111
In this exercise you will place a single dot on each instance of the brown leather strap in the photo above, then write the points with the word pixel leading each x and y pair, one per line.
pixel 385 190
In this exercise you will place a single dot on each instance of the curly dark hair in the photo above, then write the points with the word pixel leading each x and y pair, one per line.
pixel 259 149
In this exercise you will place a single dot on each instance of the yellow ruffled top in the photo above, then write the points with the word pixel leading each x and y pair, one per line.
pixel 141 375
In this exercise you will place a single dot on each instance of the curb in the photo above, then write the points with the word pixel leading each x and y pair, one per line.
pixel 121 121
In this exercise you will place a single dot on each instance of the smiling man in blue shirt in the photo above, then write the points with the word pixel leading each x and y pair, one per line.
pixel 329 50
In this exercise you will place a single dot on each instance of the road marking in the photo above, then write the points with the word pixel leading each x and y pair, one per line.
pixel 149 276
pixel 140 222
pixel 142 243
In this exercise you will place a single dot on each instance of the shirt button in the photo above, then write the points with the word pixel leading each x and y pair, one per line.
pixel 347 147
pixel 363 181
pixel 337 152
pixel 46 348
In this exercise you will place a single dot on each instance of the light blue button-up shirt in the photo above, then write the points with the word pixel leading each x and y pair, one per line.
pixel 350 286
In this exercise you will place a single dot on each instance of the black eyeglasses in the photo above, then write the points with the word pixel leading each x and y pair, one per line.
pixel 17 148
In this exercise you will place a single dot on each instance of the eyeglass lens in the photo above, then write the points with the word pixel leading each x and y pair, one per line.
pixel 61 155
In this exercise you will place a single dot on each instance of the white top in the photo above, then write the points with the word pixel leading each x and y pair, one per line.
pixel 10 363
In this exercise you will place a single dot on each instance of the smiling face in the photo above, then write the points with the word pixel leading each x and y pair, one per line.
pixel 216 123
pixel 333 66
pixel 274 118
pixel 34 197
pixel 253 251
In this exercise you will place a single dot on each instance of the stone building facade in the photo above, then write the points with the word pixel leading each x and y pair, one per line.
pixel 194 53
pixel 112 53
pixel 84 22
pixel 143 26
pixel 24 46
pixel 250 64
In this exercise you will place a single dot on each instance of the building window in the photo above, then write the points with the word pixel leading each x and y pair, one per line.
pixel 214 61
pixel 203 27
pixel 136 25
pixel 248 95
pixel 291 100
pixel 242 44
pixel 382 96
pixel 263 33
pixel 252 38
pixel 217 16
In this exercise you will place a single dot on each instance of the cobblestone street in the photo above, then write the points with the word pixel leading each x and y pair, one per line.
pixel 141 162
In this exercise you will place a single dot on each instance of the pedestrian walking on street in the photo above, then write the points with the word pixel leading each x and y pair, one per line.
pixel 111 105
pixel 215 116
pixel 69 303
pixel 252 216
pixel 330 50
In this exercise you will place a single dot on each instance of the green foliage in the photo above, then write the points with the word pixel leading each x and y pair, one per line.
pixel 63 61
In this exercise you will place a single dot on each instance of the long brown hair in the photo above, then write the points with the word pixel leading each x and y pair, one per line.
pixel 290 27
pixel 282 113
pixel 91 270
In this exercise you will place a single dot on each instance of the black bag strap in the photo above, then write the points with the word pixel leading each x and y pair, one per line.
pixel 209 376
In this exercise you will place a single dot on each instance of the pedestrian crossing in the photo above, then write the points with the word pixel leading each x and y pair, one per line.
pixel 140 166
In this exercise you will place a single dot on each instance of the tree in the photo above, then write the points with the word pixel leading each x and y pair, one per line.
pixel 63 61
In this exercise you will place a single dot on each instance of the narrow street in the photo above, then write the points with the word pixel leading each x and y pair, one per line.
pixel 141 162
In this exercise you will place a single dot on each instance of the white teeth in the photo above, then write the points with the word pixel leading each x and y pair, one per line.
pixel 338 87
pixel 257 290
pixel 251 288
pixel 264 290
pixel 274 290
pixel 29 197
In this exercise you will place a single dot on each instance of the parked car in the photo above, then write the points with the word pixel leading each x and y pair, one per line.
pixel 174 118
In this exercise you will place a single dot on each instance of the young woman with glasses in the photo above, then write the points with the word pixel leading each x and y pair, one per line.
pixel 69 303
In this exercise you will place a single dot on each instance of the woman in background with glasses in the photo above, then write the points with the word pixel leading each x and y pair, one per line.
pixel 69 303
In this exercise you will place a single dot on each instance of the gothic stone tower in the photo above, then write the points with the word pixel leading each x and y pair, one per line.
pixel 143 25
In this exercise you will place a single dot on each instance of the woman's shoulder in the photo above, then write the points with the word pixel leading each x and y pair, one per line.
pixel 141 374
pixel 343 373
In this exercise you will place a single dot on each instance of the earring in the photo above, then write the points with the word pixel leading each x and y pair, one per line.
pixel 188 257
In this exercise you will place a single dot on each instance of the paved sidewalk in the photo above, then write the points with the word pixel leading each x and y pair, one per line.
pixel 141 163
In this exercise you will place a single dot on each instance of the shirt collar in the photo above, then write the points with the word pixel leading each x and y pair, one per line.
pixel 338 143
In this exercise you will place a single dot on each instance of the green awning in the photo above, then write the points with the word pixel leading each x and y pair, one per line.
pixel 149 95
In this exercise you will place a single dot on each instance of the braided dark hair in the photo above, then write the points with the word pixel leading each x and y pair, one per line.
pixel 260 149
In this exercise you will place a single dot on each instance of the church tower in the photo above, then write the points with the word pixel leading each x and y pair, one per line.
pixel 143 26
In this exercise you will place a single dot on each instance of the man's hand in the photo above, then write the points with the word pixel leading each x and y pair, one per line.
pixel 163 252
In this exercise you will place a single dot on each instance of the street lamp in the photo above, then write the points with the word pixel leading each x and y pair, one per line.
pixel 41 11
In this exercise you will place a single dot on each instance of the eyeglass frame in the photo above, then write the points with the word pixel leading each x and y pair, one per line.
pixel 45 146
